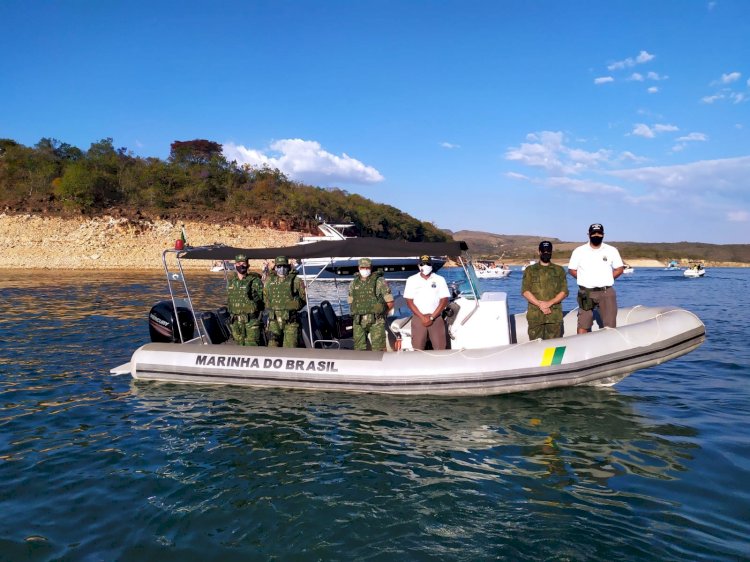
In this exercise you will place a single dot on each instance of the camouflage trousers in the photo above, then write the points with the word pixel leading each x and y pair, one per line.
pixel 282 331
pixel 545 331
pixel 372 325
pixel 245 329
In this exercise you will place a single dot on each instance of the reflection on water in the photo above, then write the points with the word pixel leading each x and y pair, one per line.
pixel 98 467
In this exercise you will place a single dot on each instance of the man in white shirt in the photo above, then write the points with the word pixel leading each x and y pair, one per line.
pixel 596 266
pixel 426 295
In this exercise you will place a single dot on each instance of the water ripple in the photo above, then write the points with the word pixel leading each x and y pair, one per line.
pixel 95 467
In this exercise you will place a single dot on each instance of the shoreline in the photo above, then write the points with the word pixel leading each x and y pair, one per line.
pixel 35 242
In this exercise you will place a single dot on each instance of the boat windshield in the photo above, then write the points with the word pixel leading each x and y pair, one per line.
pixel 471 274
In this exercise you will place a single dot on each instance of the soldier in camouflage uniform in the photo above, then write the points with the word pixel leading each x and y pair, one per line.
pixel 370 299
pixel 245 303
pixel 545 286
pixel 284 296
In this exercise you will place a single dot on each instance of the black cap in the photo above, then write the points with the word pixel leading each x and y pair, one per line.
pixel 545 246
pixel 425 259
pixel 596 228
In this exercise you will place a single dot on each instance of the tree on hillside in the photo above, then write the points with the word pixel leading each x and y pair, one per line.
pixel 198 151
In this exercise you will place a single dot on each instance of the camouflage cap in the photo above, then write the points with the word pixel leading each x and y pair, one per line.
pixel 281 260
pixel 365 262
pixel 240 257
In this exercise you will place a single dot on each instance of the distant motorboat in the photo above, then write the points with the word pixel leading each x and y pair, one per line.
pixel 488 270
pixel 629 269
pixel 695 270
pixel 343 268
pixel 527 264
pixel 221 266
pixel 673 266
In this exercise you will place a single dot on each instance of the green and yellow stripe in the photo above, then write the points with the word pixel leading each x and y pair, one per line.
pixel 553 356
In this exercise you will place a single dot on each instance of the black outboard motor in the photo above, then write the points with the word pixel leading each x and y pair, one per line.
pixel 162 324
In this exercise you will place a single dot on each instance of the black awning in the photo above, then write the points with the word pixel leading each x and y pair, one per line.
pixel 349 248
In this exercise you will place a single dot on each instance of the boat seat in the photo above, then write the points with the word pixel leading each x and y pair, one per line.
pixel 329 315
pixel 212 327
pixel 321 335
pixel 224 320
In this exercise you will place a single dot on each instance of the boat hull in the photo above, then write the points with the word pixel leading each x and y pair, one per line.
pixel 647 336
pixel 495 273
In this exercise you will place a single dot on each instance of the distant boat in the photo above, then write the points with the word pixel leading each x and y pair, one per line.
pixel 221 266
pixel 673 266
pixel 488 270
pixel 527 264
pixel 695 270
pixel 629 269
pixel 343 268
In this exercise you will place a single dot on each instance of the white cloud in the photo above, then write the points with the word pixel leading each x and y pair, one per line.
pixel 738 216
pixel 738 97
pixel 449 145
pixel 306 161
pixel 636 77
pixel 713 98
pixel 583 186
pixel 603 80
pixel 730 77
pixel 628 156
pixel 643 57
pixel 516 176
pixel 693 137
pixel 547 150
pixel 725 175
pixel 653 90
pixel 656 76
pixel 643 130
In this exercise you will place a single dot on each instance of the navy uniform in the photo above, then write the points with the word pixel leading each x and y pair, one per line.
pixel 369 299
pixel 284 296
pixel 545 286
pixel 245 303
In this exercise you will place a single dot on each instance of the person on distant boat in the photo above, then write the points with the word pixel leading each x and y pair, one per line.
pixel 596 266
pixel 284 296
pixel 545 287
pixel 370 299
pixel 426 295
pixel 245 303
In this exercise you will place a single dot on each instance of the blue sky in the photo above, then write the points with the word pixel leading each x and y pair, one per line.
pixel 505 116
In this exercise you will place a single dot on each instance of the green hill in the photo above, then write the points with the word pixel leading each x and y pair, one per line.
pixel 195 182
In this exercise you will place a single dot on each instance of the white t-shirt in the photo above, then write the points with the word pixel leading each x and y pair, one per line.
pixel 594 265
pixel 426 293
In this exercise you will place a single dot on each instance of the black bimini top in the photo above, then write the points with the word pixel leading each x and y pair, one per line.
pixel 351 247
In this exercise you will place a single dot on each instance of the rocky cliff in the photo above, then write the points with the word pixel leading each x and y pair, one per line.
pixel 31 241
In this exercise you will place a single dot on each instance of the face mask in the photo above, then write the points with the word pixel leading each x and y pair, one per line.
pixel 596 240
pixel 364 273
pixel 545 257
pixel 282 270
pixel 425 269
pixel 241 269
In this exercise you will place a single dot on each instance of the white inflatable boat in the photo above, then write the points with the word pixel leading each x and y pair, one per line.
pixel 490 352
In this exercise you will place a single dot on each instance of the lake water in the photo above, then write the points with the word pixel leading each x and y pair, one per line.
pixel 95 467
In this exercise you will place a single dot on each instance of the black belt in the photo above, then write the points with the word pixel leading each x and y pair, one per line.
pixel 599 288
